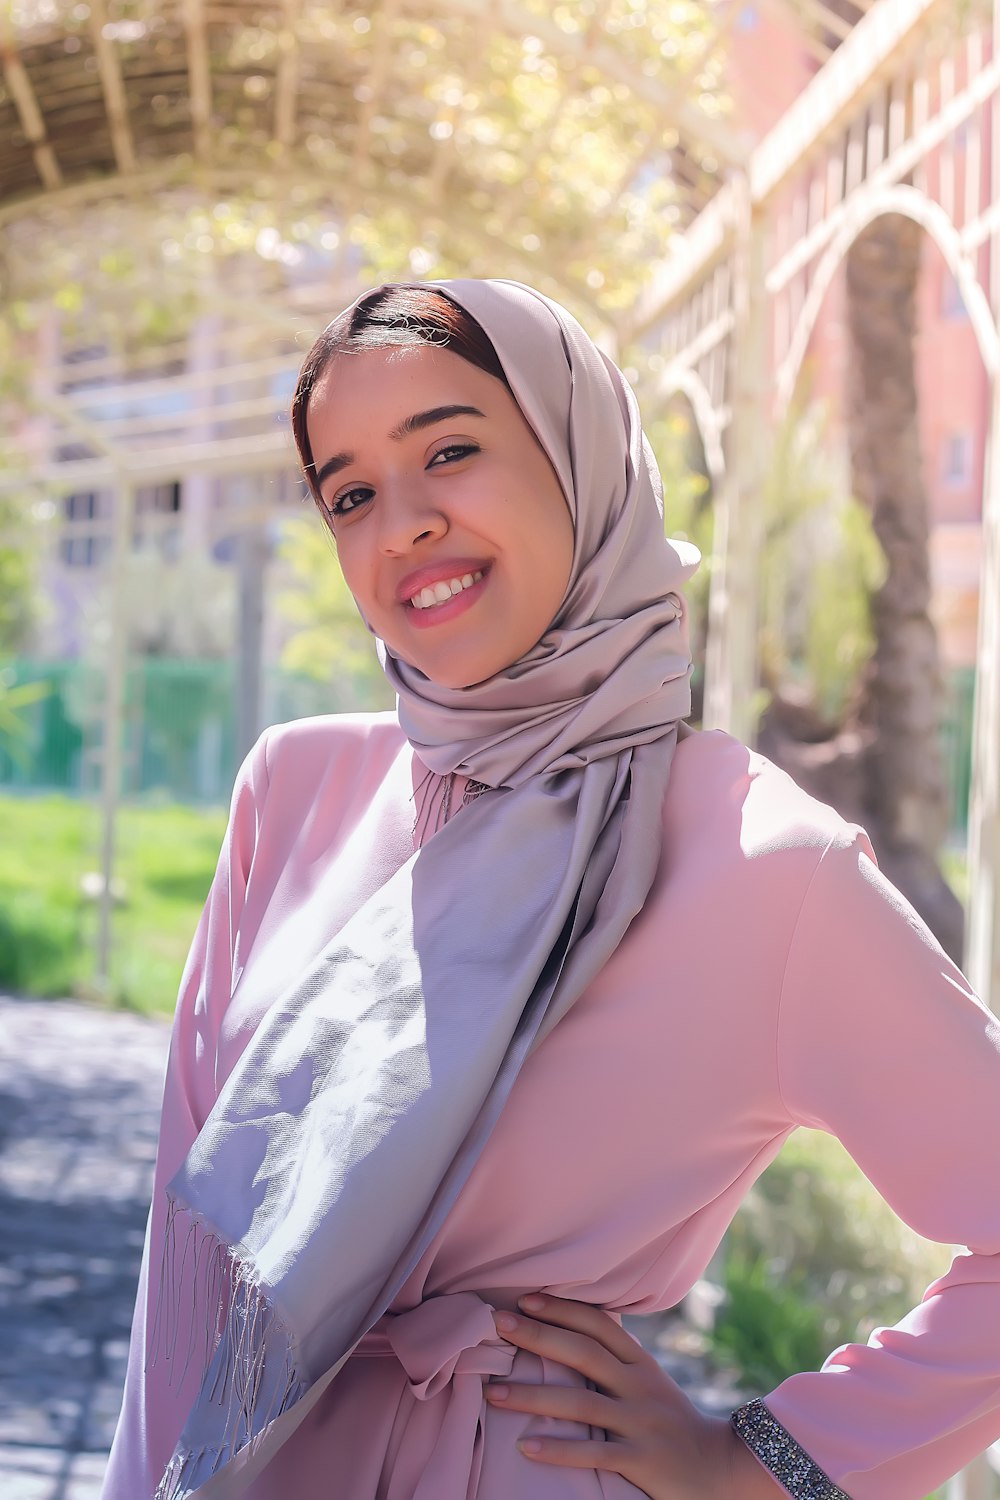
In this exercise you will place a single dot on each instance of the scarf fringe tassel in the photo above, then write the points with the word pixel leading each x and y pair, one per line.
pixel 248 1365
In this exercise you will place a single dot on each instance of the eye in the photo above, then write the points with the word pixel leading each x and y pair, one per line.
pixel 451 453
pixel 350 500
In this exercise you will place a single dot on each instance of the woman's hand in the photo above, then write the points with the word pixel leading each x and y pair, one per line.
pixel 657 1440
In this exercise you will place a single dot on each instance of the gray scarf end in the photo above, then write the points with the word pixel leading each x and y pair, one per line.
pixel 250 1375
pixel 180 1477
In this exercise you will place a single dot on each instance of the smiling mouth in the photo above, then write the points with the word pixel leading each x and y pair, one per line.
pixel 437 594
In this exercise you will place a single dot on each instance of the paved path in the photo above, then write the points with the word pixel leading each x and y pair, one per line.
pixel 79 1100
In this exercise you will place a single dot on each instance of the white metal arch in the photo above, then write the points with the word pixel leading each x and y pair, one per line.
pixel 866 207
pixel 679 380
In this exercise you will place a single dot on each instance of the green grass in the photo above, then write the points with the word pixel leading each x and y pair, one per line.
pixel 166 859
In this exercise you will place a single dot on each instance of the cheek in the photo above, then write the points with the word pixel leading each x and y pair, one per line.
pixel 544 521
pixel 360 590
pixel 560 548
pixel 353 567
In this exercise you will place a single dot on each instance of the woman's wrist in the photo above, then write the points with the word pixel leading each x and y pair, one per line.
pixel 777 1455
pixel 748 1478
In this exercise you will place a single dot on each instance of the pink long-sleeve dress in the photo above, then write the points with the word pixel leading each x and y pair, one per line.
pixel 774 979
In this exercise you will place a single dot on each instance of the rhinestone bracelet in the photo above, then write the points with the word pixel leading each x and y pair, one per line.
pixel 781 1455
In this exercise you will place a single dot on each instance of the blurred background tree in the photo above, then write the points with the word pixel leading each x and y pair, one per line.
pixel 20 600
pixel 330 642
pixel 877 757
pixel 20 606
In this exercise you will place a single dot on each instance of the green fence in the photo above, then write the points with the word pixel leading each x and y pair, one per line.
pixel 180 728
pixel 956 744
pixel 179 739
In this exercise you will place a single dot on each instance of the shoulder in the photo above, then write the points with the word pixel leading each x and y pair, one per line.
pixel 730 809
pixel 291 761
pixel 342 739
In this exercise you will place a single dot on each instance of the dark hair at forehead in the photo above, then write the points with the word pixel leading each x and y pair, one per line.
pixel 391 317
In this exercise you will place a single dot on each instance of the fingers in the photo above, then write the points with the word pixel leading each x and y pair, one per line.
pixel 565 1347
pixel 578 1453
pixel 580 1336
pixel 584 1317
pixel 572 1403
pixel 655 1438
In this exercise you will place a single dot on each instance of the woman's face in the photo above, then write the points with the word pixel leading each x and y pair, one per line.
pixel 452 529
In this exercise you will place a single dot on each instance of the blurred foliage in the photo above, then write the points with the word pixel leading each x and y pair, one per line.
pixel 19 588
pixel 559 164
pixel 814 1259
pixel 441 146
pixel 330 641
pixel 19 608
pixel 15 726
pixel 820 564
pixel 955 869
pixel 768 1329
pixel 687 508
pixel 820 561
pixel 839 635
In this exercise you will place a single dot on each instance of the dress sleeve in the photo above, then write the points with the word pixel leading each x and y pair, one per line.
pixel 882 1043
pixel 157 1395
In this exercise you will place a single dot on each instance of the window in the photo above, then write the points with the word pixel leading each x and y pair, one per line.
pixel 83 544
pixel 75 374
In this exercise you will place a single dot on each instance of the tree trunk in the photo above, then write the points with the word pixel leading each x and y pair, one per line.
pixel 885 768
pixel 904 788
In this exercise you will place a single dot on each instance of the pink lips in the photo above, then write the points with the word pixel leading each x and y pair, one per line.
pixel 440 572
pixel 439 614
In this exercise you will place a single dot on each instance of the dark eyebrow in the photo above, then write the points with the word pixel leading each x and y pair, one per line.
pixel 405 428
pixel 423 419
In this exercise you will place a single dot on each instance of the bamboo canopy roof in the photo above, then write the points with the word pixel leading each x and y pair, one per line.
pixel 381 100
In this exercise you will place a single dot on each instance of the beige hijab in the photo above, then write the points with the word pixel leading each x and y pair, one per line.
pixel 354 1117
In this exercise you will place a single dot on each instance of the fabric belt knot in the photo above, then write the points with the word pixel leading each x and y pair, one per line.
pixel 448 1336
pixel 438 1343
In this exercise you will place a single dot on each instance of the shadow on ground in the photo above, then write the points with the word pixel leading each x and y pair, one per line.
pixel 79 1099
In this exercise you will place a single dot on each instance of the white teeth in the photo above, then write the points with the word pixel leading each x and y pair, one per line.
pixel 440 593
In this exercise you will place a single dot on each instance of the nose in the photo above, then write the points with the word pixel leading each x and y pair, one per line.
pixel 406 517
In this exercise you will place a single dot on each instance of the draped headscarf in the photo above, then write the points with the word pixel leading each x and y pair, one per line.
pixel 351 1123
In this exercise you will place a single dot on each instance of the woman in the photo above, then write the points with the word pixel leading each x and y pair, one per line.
pixel 519 992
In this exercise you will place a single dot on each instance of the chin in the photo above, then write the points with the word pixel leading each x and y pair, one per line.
pixel 454 682
pixel 448 669
pixel 457 678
